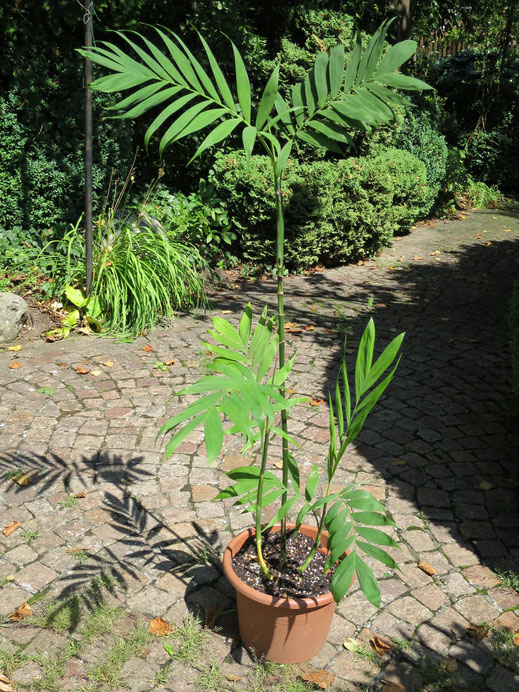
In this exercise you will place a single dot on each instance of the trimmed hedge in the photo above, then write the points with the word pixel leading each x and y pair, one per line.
pixel 514 327
pixel 335 211
pixel 418 136
pixel 42 177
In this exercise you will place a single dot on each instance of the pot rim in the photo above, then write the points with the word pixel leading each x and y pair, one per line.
pixel 308 603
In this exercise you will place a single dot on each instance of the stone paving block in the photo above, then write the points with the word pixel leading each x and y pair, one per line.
pixel 410 610
pixel 507 621
pixel 356 609
pixel 139 673
pixel 21 555
pixel 505 598
pixel 477 609
pixel 47 643
pixel 456 585
pixel 503 680
pixel 390 626
pixel 431 596
pixel 35 576
pixel 350 667
pixel 460 555
pixel 470 655
pixel 412 575
pixel 442 630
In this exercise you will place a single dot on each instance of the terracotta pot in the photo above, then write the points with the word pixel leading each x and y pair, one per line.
pixel 284 630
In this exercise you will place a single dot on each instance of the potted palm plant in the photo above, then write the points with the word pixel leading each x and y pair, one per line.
pixel 289 575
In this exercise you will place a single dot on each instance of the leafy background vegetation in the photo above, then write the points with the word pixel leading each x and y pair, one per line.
pixel 461 139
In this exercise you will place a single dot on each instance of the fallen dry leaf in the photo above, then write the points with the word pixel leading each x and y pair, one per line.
pixel 79 495
pixel 15 364
pixel 516 638
pixel 417 258
pixel 449 665
pixel 398 462
pixel 74 550
pixel 10 577
pixel 169 362
pixel 108 364
pixel 62 365
pixel 160 627
pixel 291 391
pixel 352 644
pixel 309 328
pixel 315 401
pixel 313 308
pixel 382 646
pixel 233 678
pixel 293 330
pixel 360 263
pixel 427 568
pixel 96 373
pixel 5 684
pixel 486 485
pixel 82 371
pixel 11 527
pixel 278 464
pixel 489 242
pixel 226 312
pixel 393 268
pixel 477 632
pixel 211 616
pixel 436 252
pixel 321 678
pixel 22 611
pixel 289 324
pixel 147 349
pixel 14 348
pixel 25 478
pixel 477 236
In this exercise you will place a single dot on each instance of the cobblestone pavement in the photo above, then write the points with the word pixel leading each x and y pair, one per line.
pixel 441 451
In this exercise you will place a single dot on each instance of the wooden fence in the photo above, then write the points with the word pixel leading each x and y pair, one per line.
pixel 438 44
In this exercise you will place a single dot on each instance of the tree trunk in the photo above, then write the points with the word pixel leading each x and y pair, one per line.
pixel 405 8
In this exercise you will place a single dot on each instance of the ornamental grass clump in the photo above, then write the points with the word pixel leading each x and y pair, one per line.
pixel 249 368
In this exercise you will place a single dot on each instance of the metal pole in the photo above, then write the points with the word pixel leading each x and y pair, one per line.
pixel 87 20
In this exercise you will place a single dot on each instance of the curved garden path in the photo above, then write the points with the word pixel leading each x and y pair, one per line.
pixel 441 451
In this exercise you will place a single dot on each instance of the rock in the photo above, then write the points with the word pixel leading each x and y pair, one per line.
pixel 13 313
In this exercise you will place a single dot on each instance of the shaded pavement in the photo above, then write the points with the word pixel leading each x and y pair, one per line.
pixel 441 450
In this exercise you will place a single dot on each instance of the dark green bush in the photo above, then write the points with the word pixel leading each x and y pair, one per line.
pixel 418 136
pixel 42 177
pixel 514 327
pixel 336 211
pixel 492 156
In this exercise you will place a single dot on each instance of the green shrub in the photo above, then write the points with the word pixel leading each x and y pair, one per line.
pixel 482 195
pixel 419 137
pixel 514 327
pixel 42 175
pixel 492 156
pixel 199 218
pixel 335 211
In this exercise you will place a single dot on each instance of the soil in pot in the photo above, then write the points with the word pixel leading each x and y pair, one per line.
pixel 287 581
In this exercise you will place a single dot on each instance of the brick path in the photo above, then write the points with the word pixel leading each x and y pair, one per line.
pixel 443 430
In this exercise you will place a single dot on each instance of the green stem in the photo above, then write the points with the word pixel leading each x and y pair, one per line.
pixel 259 497
pixel 317 541
pixel 280 270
